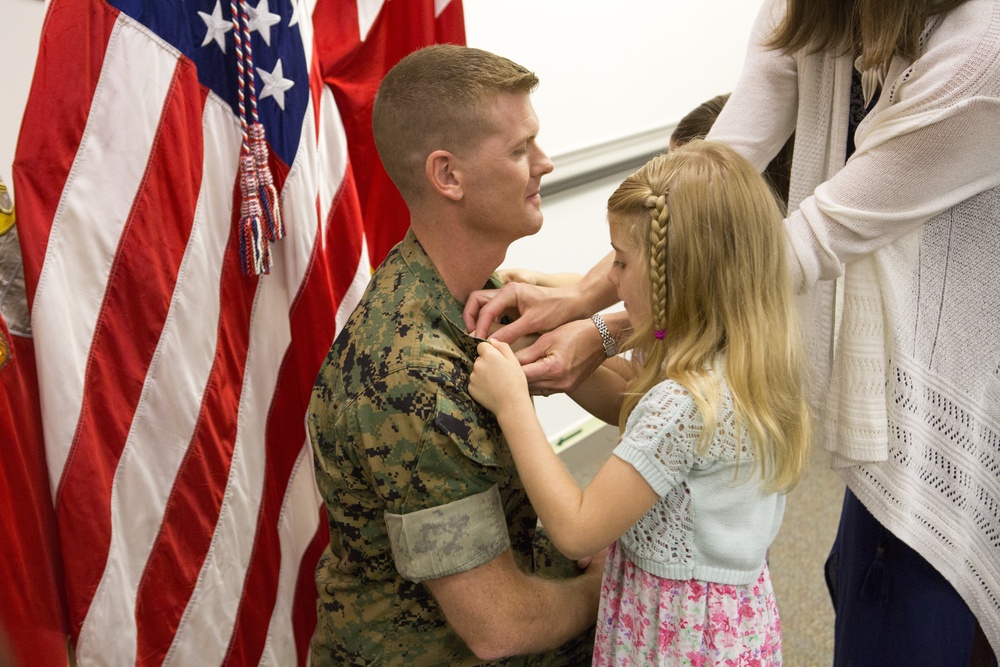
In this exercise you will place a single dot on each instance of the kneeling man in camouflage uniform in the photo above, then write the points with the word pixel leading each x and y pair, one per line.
pixel 434 557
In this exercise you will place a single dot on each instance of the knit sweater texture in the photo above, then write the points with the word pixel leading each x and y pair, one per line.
pixel 895 254
pixel 714 520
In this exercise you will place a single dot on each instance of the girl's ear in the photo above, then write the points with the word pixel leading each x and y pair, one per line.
pixel 439 169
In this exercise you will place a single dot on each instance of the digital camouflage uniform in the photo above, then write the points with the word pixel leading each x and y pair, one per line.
pixel 417 478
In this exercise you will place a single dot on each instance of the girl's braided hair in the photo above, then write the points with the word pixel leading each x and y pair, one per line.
pixel 710 234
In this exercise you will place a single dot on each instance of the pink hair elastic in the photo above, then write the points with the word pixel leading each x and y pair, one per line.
pixel 660 333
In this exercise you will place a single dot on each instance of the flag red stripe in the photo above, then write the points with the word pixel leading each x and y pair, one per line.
pixel 313 330
pixel 196 498
pixel 316 91
pixel 53 124
pixel 343 234
pixel 449 27
pixel 126 335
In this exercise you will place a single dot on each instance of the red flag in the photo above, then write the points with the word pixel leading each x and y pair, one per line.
pixel 33 613
pixel 359 41
pixel 173 388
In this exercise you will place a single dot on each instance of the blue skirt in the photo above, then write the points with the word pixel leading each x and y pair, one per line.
pixel 892 607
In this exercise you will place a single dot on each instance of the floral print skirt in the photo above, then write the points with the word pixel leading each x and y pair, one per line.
pixel 646 620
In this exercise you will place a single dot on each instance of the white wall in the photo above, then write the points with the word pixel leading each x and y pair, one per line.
pixel 612 68
pixel 20 27
pixel 610 71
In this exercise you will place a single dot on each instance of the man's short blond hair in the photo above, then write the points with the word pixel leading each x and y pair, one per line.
pixel 438 98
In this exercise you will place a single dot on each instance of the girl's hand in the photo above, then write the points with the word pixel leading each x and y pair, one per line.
pixel 497 381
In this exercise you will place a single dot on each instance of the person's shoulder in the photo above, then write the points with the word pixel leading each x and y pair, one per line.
pixel 664 406
pixel 667 393
pixel 964 43
pixel 976 19
pixel 386 327
pixel 671 401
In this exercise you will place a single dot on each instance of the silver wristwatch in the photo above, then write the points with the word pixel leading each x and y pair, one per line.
pixel 610 346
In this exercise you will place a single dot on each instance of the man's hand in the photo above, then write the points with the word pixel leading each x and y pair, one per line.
pixel 593 564
pixel 561 359
pixel 537 309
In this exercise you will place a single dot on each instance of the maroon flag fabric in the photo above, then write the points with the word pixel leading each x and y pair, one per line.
pixel 33 613
pixel 378 35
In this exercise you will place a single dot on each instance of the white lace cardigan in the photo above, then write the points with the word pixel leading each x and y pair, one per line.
pixel 714 520
pixel 906 343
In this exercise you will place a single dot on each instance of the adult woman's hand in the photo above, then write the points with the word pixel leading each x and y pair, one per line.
pixel 536 309
pixel 562 358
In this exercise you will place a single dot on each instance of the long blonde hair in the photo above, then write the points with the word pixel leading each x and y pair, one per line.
pixel 710 233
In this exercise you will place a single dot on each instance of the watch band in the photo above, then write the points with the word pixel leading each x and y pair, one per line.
pixel 610 346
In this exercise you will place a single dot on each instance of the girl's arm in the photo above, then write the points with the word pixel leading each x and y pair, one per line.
pixel 601 393
pixel 580 523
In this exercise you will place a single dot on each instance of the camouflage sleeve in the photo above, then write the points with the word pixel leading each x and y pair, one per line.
pixel 450 538
pixel 450 517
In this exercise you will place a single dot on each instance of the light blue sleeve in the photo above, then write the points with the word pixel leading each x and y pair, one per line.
pixel 660 436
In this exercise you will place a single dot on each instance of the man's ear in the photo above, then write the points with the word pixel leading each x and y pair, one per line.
pixel 439 168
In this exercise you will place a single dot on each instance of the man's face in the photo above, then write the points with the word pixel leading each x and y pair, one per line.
pixel 502 172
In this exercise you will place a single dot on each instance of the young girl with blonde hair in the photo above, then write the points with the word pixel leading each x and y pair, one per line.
pixel 714 424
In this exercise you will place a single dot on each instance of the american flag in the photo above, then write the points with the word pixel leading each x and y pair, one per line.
pixel 173 387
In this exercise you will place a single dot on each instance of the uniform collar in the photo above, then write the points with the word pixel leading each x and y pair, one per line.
pixel 420 264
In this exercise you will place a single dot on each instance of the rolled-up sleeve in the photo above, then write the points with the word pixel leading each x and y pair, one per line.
pixel 440 479
pixel 448 539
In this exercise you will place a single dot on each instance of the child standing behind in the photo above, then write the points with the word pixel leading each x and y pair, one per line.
pixel 715 426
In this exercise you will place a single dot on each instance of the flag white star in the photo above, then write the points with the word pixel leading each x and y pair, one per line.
pixel 368 11
pixel 440 6
pixel 216 26
pixel 275 84
pixel 261 20
pixel 296 6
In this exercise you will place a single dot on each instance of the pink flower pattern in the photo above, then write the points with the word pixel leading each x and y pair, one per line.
pixel 646 620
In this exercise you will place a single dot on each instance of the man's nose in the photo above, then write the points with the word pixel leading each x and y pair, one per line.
pixel 545 165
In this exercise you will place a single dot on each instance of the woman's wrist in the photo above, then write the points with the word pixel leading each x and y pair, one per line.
pixel 619 327
pixel 607 340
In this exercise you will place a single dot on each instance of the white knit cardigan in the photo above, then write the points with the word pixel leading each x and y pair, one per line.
pixel 897 255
